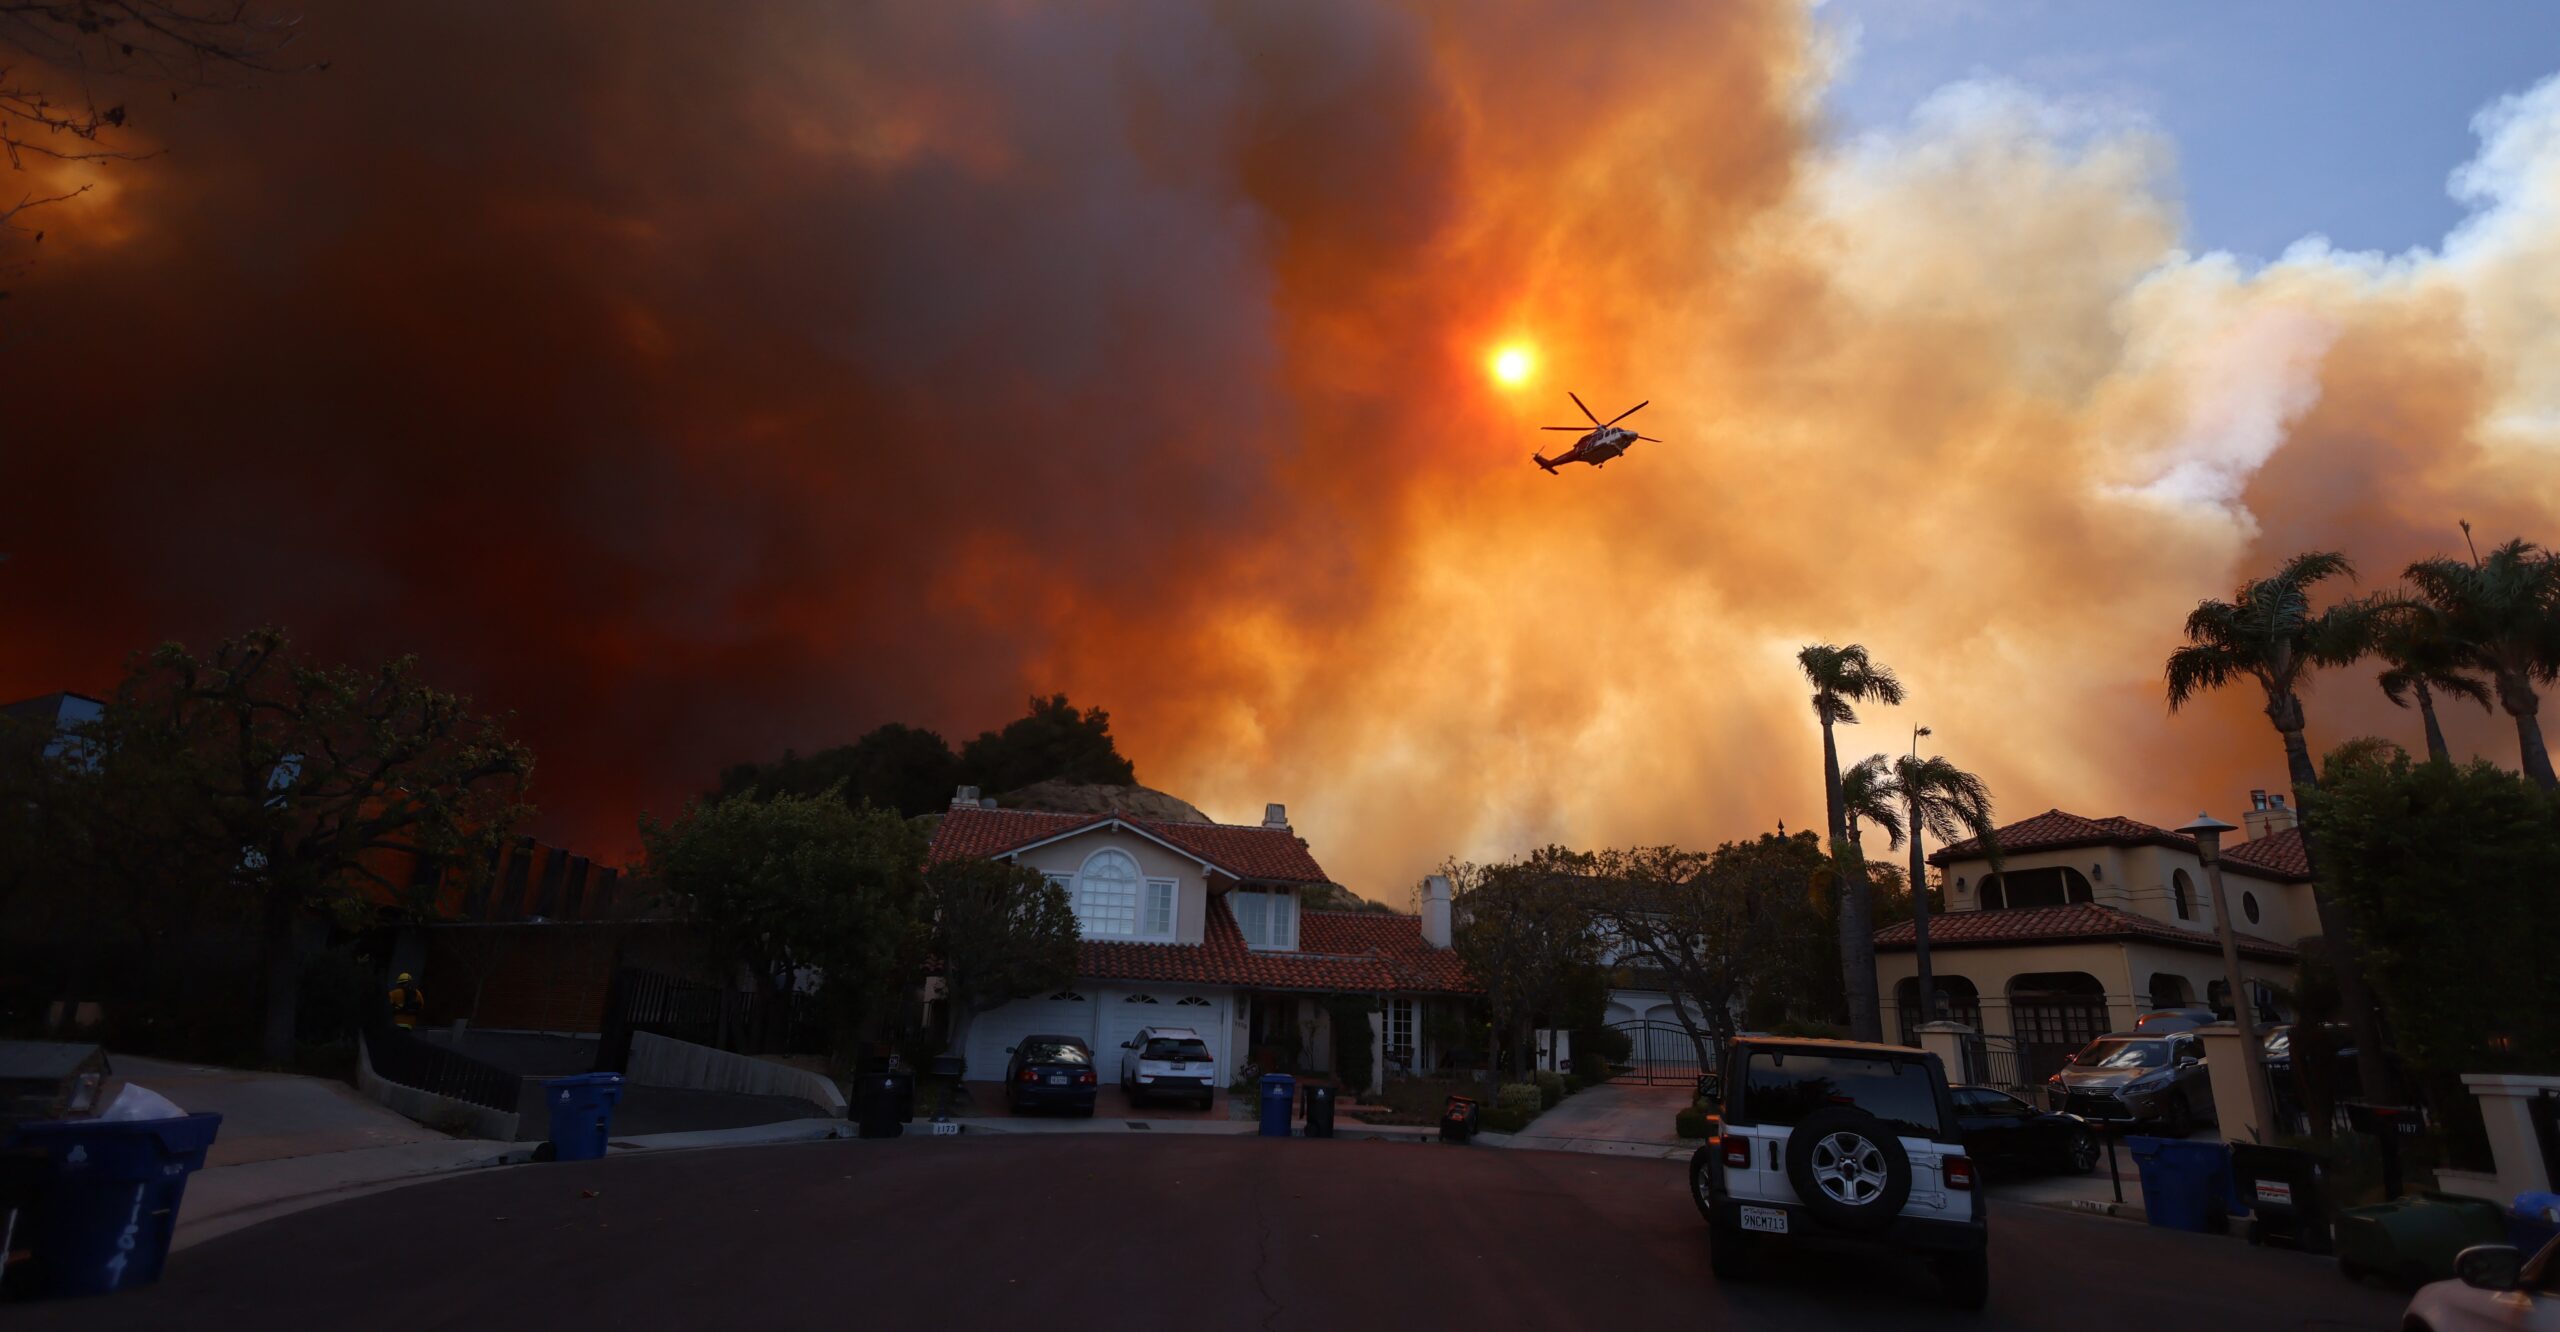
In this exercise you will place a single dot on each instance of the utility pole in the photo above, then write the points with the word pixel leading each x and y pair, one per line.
pixel 2208 831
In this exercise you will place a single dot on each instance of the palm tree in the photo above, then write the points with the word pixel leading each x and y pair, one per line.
pixel 2506 612
pixel 1842 677
pixel 2426 660
pixel 1939 797
pixel 2268 634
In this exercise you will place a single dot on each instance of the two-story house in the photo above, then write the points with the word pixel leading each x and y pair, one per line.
pixel 1201 925
pixel 2090 923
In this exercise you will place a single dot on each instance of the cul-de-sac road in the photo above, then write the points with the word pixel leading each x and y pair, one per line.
pixel 1202 1234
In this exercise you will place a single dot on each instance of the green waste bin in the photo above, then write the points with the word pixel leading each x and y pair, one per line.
pixel 2414 1240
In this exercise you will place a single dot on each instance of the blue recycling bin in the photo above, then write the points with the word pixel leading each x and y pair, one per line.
pixel 2532 1220
pixel 581 1114
pixel 2185 1185
pixel 110 1203
pixel 1279 1092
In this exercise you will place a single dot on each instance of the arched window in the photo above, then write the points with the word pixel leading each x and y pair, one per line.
pixel 2182 894
pixel 2249 906
pixel 2058 885
pixel 1107 895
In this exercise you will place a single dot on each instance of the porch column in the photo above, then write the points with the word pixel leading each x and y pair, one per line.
pixel 2235 1105
pixel 1378 1042
pixel 1946 1041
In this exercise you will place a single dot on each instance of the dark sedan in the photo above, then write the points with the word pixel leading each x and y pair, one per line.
pixel 2006 1133
pixel 1051 1073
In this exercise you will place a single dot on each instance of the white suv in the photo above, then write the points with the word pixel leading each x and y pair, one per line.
pixel 1168 1061
pixel 1843 1144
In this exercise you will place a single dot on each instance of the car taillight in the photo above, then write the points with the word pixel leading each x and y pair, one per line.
pixel 1029 1075
pixel 1737 1153
pixel 1960 1172
pixel 1085 1079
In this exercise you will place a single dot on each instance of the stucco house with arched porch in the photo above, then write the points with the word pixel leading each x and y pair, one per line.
pixel 2090 923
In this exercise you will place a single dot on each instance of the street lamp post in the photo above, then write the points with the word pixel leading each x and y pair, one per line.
pixel 2208 831
pixel 1920 895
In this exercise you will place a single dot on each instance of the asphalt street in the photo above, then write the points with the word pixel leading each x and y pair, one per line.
pixel 1135 1232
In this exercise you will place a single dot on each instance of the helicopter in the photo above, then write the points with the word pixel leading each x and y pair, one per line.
pixel 1605 440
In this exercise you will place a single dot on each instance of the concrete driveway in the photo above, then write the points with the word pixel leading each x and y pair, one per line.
pixel 1042 1231
pixel 271 1116
pixel 1631 1115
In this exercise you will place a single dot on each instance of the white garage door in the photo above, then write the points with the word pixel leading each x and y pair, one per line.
pixel 1124 1011
pixel 1068 1014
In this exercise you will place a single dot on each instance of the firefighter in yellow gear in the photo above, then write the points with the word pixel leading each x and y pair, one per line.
pixel 408 1002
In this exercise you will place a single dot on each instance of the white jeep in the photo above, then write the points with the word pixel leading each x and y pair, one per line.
pixel 1841 1144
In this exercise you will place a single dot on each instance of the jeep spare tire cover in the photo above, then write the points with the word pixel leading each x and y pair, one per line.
pixel 1848 1168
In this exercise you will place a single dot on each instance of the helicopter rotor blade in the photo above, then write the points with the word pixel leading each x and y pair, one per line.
pixel 1577 401
pixel 1648 439
pixel 1628 412
pixel 1579 430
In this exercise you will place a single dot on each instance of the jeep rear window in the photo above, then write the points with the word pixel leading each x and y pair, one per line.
pixel 1162 1048
pixel 1782 1087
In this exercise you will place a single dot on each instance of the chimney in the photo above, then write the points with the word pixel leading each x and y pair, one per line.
pixel 1435 911
pixel 965 798
pixel 2267 814
pixel 1276 816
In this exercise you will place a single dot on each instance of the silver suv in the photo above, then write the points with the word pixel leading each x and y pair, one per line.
pixel 2138 1077
pixel 1840 1144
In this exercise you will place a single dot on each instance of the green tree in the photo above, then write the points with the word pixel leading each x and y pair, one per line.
pixel 796 893
pixel 894 766
pixel 1842 677
pixel 1524 930
pixel 2268 634
pixel 2425 659
pixel 1713 929
pixel 2448 869
pixel 1938 797
pixel 2505 610
pixel 1052 741
pixel 1001 932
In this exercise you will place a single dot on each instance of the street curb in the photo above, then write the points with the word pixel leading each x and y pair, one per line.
pixel 2092 1207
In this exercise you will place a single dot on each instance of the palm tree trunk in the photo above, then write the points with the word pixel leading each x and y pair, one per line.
pixel 2337 927
pixel 2515 694
pixel 1920 917
pixel 1857 934
pixel 2436 749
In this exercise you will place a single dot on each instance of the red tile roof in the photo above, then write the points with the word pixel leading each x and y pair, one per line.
pixel 1254 854
pixel 2277 856
pixel 2279 853
pixel 1359 952
pixel 2079 922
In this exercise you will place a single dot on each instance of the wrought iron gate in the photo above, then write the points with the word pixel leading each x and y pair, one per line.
pixel 1661 1052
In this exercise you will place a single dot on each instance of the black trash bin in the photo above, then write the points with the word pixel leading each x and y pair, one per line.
pixel 2287 1192
pixel 881 1102
pixel 1319 1111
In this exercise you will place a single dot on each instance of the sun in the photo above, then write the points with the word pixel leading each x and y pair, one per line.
pixel 1513 364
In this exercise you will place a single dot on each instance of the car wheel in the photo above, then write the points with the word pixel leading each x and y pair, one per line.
pixel 2180 1121
pixel 1702 1189
pixel 1965 1279
pixel 2350 1269
pixel 1848 1168
pixel 2080 1152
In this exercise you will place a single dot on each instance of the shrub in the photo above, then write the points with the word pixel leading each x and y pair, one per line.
pixel 1691 1123
pixel 1504 1119
pixel 1550 1088
pixel 1522 1096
